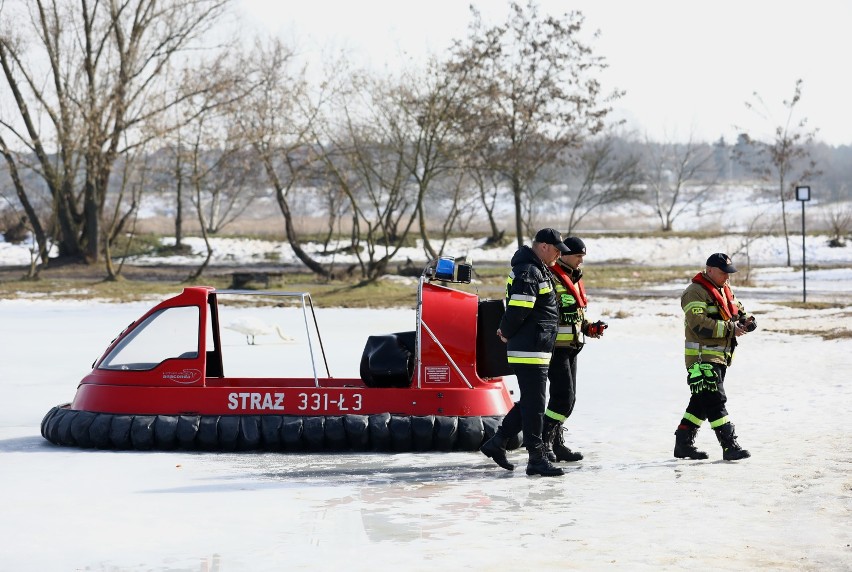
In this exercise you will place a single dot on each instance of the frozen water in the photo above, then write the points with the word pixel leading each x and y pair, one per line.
pixel 628 505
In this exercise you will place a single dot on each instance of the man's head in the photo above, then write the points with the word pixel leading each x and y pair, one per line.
pixel 719 267
pixel 576 251
pixel 548 245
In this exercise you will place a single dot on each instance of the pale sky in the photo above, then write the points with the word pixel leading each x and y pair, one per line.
pixel 688 67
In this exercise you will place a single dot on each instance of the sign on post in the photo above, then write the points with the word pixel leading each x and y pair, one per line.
pixel 803 194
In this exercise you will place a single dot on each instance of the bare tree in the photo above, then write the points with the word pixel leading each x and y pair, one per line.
pixel 754 232
pixel 679 177
pixel 118 216
pixel 452 202
pixel 535 94
pixel 488 188
pixel 365 155
pixel 30 213
pixel 786 158
pixel 277 120
pixel 336 208
pixel 605 176
pixel 177 176
pixel 425 119
pixel 85 87
pixel 839 220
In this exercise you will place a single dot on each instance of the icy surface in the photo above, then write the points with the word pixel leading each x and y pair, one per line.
pixel 628 505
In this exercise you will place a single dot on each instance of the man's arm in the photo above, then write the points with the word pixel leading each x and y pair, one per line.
pixel 695 314
pixel 522 294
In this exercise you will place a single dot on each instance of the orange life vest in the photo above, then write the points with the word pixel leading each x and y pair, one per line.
pixel 727 306
pixel 577 290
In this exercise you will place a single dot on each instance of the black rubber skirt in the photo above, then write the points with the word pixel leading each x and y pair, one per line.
pixel 382 432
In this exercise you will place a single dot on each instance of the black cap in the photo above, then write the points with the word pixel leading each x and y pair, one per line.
pixel 575 245
pixel 721 261
pixel 551 236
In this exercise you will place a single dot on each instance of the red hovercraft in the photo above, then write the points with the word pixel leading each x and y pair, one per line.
pixel 162 384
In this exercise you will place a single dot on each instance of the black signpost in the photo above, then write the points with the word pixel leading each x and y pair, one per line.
pixel 803 194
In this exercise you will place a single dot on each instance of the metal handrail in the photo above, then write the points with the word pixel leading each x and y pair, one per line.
pixel 303 296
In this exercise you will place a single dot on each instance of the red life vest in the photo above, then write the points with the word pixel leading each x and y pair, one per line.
pixel 727 307
pixel 577 290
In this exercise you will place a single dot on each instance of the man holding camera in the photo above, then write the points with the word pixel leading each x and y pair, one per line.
pixel 573 329
pixel 713 320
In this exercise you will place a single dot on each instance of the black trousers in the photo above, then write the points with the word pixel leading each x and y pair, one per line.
pixel 528 413
pixel 707 384
pixel 563 383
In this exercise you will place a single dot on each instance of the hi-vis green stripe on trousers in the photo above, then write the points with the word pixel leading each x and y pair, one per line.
pixel 529 358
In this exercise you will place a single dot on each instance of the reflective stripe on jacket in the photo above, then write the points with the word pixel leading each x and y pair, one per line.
pixel 530 321
pixel 708 337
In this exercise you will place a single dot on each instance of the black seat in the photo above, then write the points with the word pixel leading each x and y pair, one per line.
pixel 388 360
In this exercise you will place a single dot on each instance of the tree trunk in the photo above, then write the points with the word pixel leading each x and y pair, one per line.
pixel 179 202
pixel 519 224
pixel 32 217
pixel 112 274
pixel 784 219
pixel 69 239
pixel 427 246
pixel 293 239
pixel 92 237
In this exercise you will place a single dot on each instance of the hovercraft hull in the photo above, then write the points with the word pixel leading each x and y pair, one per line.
pixel 163 384
pixel 381 432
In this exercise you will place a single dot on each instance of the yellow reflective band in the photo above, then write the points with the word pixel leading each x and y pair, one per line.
pixel 696 349
pixel 533 358
pixel 695 308
pixel 528 361
pixel 517 353
pixel 719 422
pixel 554 415
pixel 522 300
pixel 560 337
pixel 696 346
pixel 704 352
pixel 693 419
pixel 720 328
pixel 523 297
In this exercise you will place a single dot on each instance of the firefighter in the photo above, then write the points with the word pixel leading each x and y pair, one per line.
pixel 713 320
pixel 573 330
pixel 528 328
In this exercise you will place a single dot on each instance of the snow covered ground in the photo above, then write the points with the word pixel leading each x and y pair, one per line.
pixel 628 505
pixel 655 251
pixel 828 272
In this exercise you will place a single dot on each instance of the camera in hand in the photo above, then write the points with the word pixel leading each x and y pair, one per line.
pixel 749 324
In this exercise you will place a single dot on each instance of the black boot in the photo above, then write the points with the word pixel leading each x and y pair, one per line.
pixel 685 443
pixel 561 451
pixel 540 465
pixel 548 435
pixel 731 450
pixel 495 448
